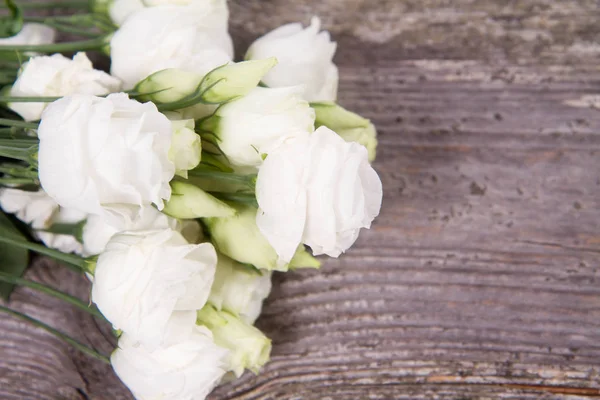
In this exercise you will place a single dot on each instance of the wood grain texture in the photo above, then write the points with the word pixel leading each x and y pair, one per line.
pixel 480 277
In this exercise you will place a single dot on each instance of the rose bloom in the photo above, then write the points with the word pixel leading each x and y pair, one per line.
pixel 56 76
pixel 187 369
pixel 192 38
pixel 96 152
pixel 100 228
pixel 143 277
pixel 40 212
pixel 254 125
pixel 305 57
pixel 318 190
pixel 31 34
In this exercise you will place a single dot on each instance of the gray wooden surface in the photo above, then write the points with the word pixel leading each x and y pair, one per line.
pixel 480 279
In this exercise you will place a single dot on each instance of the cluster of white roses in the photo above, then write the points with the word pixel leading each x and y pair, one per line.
pixel 185 181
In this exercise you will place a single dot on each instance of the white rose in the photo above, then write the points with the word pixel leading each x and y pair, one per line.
pixel 186 146
pixel 120 10
pixel 256 124
pixel 55 76
pixel 95 152
pixel 143 277
pixel 239 289
pixel 318 190
pixel 33 208
pixel 39 211
pixel 186 370
pixel 31 34
pixel 191 38
pixel 305 57
pixel 248 347
pixel 100 228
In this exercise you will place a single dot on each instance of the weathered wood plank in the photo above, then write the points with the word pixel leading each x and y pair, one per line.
pixel 480 278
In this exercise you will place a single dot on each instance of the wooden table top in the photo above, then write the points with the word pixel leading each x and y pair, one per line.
pixel 480 278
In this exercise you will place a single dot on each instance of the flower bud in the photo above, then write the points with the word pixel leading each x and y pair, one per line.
pixel 248 347
pixel 238 237
pixel 168 86
pixel 186 147
pixel 101 6
pixel 350 126
pixel 188 201
pixel 234 80
pixel 303 259
pixel 239 289
pixel 254 125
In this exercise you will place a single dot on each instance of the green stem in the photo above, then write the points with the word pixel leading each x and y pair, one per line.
pixel 10 64
pixel 192 99
pixel 7 78
pixel 24 142
pixel 223 176
pixel 52 292
pixel 244 198
pixel 12 133
pixel 92 44
pixel 16 154
pixel 63 18
pixel 81 20
pixel 75 230
pixel 71 29
pixel 79 346
pixel 24 149
pixel 211 160
pixel 18 181
pixel 53 5
pixel 19 99
pixel 18 124
pixel 70 259
pixel 104 24
pixel 19 172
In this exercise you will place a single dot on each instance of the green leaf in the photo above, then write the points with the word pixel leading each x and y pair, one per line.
pixel 13 260
pixel 12 24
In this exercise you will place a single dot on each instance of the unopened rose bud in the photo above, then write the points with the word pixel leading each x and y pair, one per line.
pixel 350 126
pixel 239 238
pixel 186 147
pixel 234 80
pixel 239 289
pixel 168 86
pixel 250 127
pixel 188 201
pixel 248 347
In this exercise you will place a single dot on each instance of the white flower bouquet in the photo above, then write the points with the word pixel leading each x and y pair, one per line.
pixel 179 181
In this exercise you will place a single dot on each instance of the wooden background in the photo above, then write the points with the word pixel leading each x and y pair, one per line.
pixel 480 279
